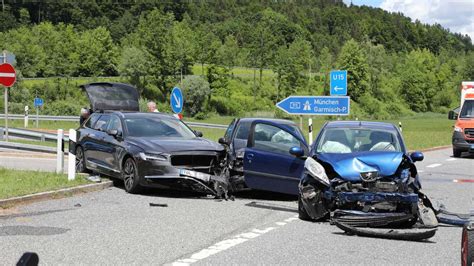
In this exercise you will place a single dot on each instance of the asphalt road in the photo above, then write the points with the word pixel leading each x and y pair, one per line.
pixel 113 227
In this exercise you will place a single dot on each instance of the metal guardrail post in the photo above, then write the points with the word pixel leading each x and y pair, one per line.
pixel 71 169
pixel 60 152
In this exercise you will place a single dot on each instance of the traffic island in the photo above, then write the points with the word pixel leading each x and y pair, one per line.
pixel 23 187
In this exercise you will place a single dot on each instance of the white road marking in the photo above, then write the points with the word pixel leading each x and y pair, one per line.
pixel 434 165
pixel 228 243
pixel 420 171
pixel 7 75
pixel 451 159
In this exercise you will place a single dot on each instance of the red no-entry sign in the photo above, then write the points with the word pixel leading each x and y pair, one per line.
pixel 7 75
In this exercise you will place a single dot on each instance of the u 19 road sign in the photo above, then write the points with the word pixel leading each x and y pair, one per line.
pixel 338 80
pixel 315 105
pixel 176 100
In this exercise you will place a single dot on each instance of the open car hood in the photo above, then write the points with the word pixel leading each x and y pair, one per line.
pixel 349 165
pixel 112 96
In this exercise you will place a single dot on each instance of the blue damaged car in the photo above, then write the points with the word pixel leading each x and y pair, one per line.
pixel 360 173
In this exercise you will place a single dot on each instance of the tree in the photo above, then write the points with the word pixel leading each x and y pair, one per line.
pixel 228 53
pixel 134 64
pixel 181 49
pixel 325 62
pixel 353 59
pixel 196 91
pixel 418 80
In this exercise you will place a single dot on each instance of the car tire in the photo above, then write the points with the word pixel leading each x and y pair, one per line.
pixel 80 160
pixel 302 214
pixel 456 153
pixel 467 247
pixel 130 176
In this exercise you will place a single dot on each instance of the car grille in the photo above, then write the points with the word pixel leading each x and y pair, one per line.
pixel 469 132
pixel 201 163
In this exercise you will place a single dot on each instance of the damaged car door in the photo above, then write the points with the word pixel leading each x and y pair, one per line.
pixel 273 159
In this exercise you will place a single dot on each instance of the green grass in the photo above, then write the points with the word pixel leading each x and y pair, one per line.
pixel 65 125
pixel 15 183
pixel 36 142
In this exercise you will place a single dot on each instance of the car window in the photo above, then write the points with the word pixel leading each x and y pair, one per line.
pixel 101 123
pixel 243 130
pixel 348 140
pixel 115 124
pixel 158 127
pixel 230 129
pixel 91 121
pixel 273 139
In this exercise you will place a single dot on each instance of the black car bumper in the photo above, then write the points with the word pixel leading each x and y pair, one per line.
pixel 462 144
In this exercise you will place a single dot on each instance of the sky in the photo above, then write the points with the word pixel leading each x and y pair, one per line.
pixel 456 15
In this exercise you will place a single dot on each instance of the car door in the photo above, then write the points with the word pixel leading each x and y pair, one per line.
pixel 96 148
pixel 113 146
pixel 268 165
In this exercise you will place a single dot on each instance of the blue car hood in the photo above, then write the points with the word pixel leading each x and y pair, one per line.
pixel 350 165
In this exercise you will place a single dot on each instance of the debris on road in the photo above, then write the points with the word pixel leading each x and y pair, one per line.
pixel 77 205
pixel 411 234
pixel 94 178
pixel 158 204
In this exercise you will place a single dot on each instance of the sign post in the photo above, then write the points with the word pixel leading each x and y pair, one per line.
pixel 176 100
pixel 338 80
pixel 315 105
pixel 7 79
pixel 38 103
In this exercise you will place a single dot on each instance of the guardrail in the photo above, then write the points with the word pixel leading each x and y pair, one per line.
pixel 31 134
pixel 76 119
pixel 27 147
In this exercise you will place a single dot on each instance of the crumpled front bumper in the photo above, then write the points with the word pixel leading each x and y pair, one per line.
pixel 370 219
pixel 372 197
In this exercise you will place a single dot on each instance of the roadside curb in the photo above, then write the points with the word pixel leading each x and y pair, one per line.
pixel 55 194
pixel 436 148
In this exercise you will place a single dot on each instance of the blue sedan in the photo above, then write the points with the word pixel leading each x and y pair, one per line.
pixel 359 172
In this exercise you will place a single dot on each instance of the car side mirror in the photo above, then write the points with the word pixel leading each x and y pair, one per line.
pixel 114 133
pixel 198 133
pixel 417 156
pixel 222 141
pixel 452 115
pixel 297 151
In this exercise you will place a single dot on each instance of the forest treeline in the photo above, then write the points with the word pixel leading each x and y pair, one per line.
pixel 237 56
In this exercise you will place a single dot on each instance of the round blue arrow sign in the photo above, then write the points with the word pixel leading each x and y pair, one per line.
pixel 176 100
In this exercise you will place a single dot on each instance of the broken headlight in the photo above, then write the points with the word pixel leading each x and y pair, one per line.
pixel 316 170
pixel 153 156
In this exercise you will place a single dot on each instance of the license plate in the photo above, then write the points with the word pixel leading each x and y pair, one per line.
pixel 187 173
pixel 194 174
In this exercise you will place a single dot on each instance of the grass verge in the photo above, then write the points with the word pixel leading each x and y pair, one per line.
pixel 14 183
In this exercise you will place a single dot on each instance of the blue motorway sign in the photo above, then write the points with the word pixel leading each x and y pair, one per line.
pixel 176 100
pixel 338 80
pixel 316 105
pixel 38 102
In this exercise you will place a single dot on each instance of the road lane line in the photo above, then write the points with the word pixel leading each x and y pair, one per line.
pixel 420 171
pixel 228 243
pixel 433 165
pixel 451 159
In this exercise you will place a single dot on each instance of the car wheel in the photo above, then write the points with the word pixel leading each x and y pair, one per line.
pixel 80 160
pixel 456 153
pixel 130 176
pixel 467 247
pixel 302 214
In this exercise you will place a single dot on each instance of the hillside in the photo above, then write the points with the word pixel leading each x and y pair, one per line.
pixel 245 55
